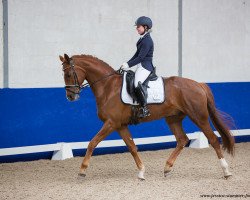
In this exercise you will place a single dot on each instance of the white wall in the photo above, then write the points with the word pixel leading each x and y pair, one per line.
pixel 1 45
pixel 216 40
pixel 216 37
pixel 41 30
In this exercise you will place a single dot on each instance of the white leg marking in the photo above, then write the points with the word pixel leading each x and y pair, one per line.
pixel 141 174
pixel 224 166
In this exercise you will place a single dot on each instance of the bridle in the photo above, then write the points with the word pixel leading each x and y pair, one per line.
pixel 76 82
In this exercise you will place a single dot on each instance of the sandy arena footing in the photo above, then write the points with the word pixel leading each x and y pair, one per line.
pixel 196 172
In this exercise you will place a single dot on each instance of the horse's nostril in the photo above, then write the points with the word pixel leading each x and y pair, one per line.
pixel 69 97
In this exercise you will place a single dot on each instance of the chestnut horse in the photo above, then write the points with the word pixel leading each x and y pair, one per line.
pixel 184 97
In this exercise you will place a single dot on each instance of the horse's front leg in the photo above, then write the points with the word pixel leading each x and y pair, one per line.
pixel 127 138
pixel 106 129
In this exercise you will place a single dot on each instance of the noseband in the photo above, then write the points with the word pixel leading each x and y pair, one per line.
pixel 76 82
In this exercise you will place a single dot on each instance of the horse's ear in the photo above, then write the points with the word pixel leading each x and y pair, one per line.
pixel 61 58
pixel 66 57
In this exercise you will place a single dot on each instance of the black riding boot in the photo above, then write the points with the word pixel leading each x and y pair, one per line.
pixel 142 99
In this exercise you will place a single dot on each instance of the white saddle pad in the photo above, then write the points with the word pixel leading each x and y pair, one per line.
pixel 155 92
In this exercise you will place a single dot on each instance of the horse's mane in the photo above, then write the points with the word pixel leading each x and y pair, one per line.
pixel 90 57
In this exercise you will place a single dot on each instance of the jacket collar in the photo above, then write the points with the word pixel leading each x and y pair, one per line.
pixel 142 37
pixel 145 35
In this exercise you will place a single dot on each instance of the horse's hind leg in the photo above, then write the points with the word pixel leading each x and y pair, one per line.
pixel 126 136
pixel 212 138
pixel 175 124
pixel 199 114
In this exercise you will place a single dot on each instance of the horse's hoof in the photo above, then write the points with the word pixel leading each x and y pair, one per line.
pixel 166 172
pixel 141 178
pixel 81 175
pixel 167 169
pixel 228 176
pixel 141 174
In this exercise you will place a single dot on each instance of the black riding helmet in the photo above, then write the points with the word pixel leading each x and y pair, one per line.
pixel 144 21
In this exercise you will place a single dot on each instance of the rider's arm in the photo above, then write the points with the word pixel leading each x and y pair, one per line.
pixel 142 54
pixel 134 56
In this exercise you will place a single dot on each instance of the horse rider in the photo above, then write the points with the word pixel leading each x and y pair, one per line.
pixel 141 62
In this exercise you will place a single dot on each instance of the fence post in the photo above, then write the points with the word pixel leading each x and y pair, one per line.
pixel 64 152
pixel 199 142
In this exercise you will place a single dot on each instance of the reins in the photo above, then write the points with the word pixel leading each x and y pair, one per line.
pixel 108 75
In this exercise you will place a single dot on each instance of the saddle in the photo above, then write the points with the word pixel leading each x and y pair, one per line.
pixel 152 90
pixel 130 79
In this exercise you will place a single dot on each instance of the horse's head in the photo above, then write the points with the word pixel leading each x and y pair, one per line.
pixel 74 76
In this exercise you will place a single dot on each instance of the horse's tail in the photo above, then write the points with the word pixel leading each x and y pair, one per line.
pixel 221 121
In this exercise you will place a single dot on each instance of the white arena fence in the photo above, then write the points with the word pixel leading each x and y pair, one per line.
pixel 64 150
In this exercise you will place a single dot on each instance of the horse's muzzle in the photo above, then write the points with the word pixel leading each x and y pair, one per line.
pixel 73 97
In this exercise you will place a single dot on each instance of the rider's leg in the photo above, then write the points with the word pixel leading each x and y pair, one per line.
pixel 134 68
pixel 141 74
pixel 142 98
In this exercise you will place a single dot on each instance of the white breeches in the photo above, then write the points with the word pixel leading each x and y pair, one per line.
pixel 141 74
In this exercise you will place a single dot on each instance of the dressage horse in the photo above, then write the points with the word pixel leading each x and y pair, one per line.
pixel 184 97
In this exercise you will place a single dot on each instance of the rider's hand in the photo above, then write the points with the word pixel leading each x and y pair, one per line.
pixel 124 66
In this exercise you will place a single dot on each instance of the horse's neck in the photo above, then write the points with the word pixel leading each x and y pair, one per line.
pixel 96 75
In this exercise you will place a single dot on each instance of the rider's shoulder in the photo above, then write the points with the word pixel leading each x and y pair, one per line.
pixel 147 38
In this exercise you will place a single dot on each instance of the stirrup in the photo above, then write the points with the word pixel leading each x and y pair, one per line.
pixel 144 112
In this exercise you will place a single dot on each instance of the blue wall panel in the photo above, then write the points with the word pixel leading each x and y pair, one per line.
pixel 44 116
